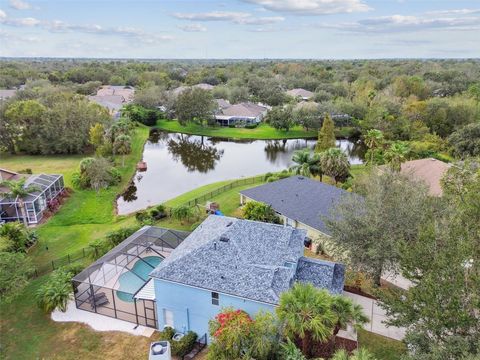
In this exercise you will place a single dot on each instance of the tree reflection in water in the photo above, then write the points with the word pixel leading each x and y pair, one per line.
pixel 193 153
pixel 157 135
pixel 130 193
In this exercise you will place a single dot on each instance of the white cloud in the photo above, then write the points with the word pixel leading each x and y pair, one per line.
pixel 60 26
pixel 212 16
pixel 19 4
pixel 240 18
pixel 409 23
pixel 312 7
pixel 193 28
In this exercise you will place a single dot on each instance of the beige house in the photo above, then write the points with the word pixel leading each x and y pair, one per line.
pixel 243 113
pixel 300 94
pixel 430 171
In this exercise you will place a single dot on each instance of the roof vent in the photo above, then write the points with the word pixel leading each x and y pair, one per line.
pixel 229 224
pixel 301 178
pixel 224 239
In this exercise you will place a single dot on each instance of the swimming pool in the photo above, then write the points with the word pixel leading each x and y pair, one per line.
pixel 131 281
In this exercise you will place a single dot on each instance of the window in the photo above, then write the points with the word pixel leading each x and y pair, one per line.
pixel 215 299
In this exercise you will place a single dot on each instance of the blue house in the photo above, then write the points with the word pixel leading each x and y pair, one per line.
pixel 228 262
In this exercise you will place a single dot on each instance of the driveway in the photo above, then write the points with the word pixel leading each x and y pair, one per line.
pixel 376 315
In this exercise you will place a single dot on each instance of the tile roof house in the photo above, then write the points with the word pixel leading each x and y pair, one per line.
pixel 113 97
pixel 429 171
pixel 300 202
pixel 239 263
pixel 300 93
pixel 241 113
pixel 177 91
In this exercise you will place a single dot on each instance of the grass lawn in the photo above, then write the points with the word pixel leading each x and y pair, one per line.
pixel 86 215
pixel 263 131
pixel 381 347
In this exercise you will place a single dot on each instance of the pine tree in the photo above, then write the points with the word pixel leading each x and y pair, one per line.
pixel 326 135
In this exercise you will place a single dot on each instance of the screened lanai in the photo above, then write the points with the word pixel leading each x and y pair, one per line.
pixel 47 188
pixel 113 285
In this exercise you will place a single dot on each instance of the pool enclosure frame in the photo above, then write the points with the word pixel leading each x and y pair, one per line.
pixel 48 188
pixel 97 288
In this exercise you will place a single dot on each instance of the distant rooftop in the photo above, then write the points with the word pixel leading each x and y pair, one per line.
pixel 429 171
pixel 300 93
pixel 244 109
pixel 299 198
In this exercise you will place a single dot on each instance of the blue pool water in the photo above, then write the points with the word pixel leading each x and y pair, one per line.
pixel 134 279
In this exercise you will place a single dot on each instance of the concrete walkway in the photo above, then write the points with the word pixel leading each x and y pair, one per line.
pixel 376 315
pixel 397 280
pixel 99 322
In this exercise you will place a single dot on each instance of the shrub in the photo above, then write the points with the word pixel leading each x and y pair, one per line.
pixel 96 173
pixel 258 211
pixel 116 237
pixel 15 270
pixel 14 237
pixel 56 292
pixel 26 171
pixel 98 248
pixel 251 126
pixel 184 345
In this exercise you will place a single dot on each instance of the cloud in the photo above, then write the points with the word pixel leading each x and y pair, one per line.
pixel 193 28
pixel 460 20
pixel 312 7
pixel 19 4
pixel 240 18
pixel 59 26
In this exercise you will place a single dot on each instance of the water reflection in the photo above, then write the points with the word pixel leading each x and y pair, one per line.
pixel 179 163
pixel 194 154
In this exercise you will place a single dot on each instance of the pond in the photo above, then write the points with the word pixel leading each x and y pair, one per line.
pixel 177 163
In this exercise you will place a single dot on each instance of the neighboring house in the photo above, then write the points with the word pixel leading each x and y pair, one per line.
pixel 300 202
pixel 229 262
pixel 48 188
pixel 7 94
pixel 241 114
pixel 113 98
pixel 222 103
pixel 300 94
pixel 429 170
pixel 177 91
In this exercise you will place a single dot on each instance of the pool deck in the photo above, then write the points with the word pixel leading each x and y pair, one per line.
pixel 99 322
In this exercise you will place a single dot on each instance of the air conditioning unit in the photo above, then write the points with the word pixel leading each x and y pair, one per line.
pixel 160 350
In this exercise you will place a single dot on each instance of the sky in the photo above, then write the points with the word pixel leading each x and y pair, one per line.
pixel 201 29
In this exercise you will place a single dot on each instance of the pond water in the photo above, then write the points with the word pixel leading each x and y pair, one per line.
pixel 177 163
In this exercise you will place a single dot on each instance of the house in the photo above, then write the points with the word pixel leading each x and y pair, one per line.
pixel 300 202
pixel 229 262
pixel 177 91
pixel 113 98
pixel 300 94
pixel 429 170
pixel 47 188
pixel 244 113
pixel 222 103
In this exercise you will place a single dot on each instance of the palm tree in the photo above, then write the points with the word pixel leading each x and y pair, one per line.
pixel 359 354
pixel 396 155
pixel 122 146
pixel 335 164
pixel 347 313
pixel 373 139
pixel 307 164
pixel 306 312
pixel 18 191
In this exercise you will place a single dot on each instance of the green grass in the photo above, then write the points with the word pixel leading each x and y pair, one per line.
pixel 86 215
pixel 381 347
pixel 261 132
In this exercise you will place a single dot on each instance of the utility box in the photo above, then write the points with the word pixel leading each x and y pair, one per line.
pixel 160 350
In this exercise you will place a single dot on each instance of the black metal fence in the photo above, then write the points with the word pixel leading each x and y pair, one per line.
pixel 202 198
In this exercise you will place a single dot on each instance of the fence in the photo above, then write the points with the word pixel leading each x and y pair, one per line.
pixel 202 198
pixel 88 252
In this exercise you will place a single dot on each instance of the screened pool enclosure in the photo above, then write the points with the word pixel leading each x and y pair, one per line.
pixel 118 285
pixel 47 188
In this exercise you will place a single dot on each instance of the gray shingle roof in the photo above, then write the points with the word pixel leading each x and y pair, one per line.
pixel 322 274
pixel 252 264
pixel 299 198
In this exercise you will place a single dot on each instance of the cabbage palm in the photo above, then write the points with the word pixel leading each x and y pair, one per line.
pixel 306 312
pixel 373 139
pixel 359 354
pixel 18 191
pixel 335 164
pixel 396 155
pixel 347 313
pixel 122 146
pixel 306 163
